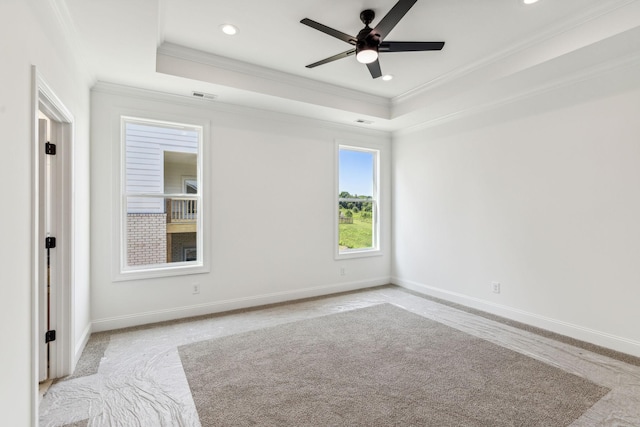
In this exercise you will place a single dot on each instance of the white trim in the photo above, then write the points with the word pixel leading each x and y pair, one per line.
pixel 220 106
pixel 35 245
pixel 582 333
pixel 82 343
pixel 67 26
pixel 581 76
pixel 561 27
pixel 256 71
pixel 161 270
pixel 62 296
pixel 43 97
pixel 119 322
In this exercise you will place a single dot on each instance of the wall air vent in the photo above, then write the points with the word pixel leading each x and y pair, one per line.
pixel 202 95
pixel 364 122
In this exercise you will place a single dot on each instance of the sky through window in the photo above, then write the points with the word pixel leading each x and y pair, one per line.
pixel 356 172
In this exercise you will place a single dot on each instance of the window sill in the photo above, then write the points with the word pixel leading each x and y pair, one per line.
pixel 159 272
pixel 358 254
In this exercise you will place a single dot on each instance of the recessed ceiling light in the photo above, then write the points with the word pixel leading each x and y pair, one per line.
pixel 229 29
pixel 387 77
pixel 529 1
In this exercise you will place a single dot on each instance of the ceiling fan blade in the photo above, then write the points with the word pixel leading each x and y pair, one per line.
pixel 394 16
pixel 409 46
pixel 374 69
pixel 333 58
pixel 330 31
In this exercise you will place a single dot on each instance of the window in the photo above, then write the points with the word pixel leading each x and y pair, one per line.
pixel 357 230
pixel 161 195
pixel 189 185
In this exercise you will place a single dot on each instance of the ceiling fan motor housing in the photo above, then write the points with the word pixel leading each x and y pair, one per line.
pixel 367 39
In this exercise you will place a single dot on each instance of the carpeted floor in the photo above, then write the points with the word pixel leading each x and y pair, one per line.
pixel 379 365
pixel 135 376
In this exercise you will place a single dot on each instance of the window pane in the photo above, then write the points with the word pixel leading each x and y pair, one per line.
pixel 355 226
pixel 356 199
pixel 169 236
pixel 158 156
pixel 356 173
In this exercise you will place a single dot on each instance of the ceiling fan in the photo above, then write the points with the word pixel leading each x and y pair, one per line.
pixel 370 42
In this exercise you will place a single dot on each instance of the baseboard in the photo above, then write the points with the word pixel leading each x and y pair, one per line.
pixel 80 345
pixel 578 332
pixel 137 319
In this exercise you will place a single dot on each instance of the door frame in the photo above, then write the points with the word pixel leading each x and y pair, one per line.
pixel 62 129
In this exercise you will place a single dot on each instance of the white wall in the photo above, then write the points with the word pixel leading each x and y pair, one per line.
pixel 30 35
pixel 269 187
pixel 540 196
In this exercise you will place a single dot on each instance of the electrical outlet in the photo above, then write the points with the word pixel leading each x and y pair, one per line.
pixel 495 286
pixel 196 288
pixel 343 271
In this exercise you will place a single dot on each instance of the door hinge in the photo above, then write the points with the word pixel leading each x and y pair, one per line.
pixel 50 243
pixel 50 148
pixel 50 336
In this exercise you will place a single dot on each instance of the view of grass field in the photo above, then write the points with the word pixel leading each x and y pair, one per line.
pixel 359 234
pixel 355 228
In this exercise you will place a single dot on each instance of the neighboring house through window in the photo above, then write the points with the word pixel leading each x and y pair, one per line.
pixel 189 185
pixel 161 195
pixel 358 222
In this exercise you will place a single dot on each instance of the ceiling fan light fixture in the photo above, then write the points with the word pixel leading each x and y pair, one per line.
pixel 229 29
pixel 367 56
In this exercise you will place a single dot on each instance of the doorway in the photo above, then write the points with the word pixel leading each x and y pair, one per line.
pixel 52 314
pixel 48 266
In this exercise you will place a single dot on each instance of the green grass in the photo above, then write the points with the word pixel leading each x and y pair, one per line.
pixel 357 235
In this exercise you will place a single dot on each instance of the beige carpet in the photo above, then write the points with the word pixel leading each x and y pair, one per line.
pixel 376 366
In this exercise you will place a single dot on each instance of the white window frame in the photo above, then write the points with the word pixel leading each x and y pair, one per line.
pixel 376 249
pixel 125 272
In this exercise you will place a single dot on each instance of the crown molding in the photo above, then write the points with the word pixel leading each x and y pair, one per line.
pixel 222 107
pixel 70 33
pixel 575 21
pixel 584 75
pixel 212 60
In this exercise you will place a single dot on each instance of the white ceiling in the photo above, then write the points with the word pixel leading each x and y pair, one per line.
pixel 176 46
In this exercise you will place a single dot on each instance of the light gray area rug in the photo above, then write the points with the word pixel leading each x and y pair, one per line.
pixel 380 365
pixel 83 423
